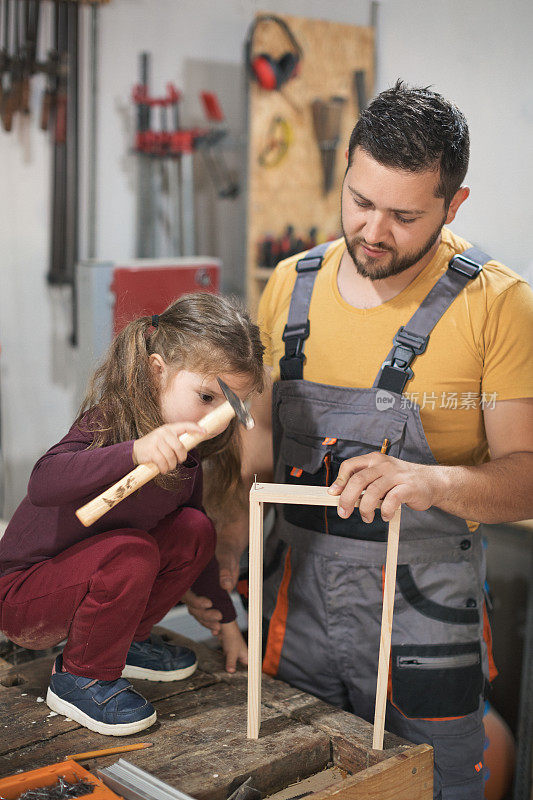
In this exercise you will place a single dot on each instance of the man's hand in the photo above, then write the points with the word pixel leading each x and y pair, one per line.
pixel 499 490
pixel 234 646
pixel 229 551
pixel 387 481
pixel 201 608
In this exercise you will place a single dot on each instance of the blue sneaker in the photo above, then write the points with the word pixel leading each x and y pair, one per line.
pixel 113 708
pixel 157 660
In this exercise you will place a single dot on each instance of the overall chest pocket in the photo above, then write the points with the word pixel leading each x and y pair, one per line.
pixel 308 460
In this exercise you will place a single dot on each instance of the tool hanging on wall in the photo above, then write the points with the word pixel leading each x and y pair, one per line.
pixel 327 115
pixel 64 131
pixel 269 72
pixel 271 250
pixel 278 140
pixel 359 89
pixel 208 143
pixel 5 63
pixel 32 10
pixel 18 57
pixel 21 26
pixel 59 112
pixel 172 149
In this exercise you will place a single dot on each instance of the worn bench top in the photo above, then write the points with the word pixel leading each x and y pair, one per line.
pixel 199 740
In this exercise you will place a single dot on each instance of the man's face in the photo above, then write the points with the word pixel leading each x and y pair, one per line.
pixel 390 218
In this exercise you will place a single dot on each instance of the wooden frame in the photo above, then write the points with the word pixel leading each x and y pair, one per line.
pixel 312 496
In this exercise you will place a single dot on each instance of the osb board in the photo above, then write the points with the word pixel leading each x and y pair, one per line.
pixel 291 193
pixel 199 741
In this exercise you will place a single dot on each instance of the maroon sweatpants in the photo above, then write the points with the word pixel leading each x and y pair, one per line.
pixel 106 592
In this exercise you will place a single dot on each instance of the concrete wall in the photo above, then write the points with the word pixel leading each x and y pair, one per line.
pixel 478 54
pixel 474 51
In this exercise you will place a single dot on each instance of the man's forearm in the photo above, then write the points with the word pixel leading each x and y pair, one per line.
pixel 498 491
pixel 233 533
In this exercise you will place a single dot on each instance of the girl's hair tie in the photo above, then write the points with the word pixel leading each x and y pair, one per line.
pixel 155 320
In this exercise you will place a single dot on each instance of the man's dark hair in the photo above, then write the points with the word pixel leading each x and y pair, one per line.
pixel 415 129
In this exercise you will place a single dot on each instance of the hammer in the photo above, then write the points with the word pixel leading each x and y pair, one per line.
pixel 213 423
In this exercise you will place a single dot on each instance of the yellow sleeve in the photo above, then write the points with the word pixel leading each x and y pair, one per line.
pixel 274 305
pixel 265 319
pixel 508 345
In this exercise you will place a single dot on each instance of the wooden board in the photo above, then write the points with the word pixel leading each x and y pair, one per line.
pixel 199 740
pixel 291 192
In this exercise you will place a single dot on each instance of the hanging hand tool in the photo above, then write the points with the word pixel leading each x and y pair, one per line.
pixel 6 105
pixel 213 424
pixel 4 51
pixel 278 139
pixel 16 61
pixel 56 269
pixel 359 89
pixel 29 49
pixel 173 152
pixel 327 123
pixel 145 246
pixel 51 69
pixel 64 240
pixel 208 144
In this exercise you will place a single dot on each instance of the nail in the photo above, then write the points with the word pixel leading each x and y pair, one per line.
pixel 342 512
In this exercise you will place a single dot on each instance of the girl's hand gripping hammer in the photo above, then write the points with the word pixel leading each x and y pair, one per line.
pixel 214 422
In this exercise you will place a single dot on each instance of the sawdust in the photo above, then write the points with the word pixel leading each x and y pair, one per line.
pixel 39 639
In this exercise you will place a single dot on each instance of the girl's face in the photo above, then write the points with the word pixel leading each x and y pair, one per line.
pixel 187 396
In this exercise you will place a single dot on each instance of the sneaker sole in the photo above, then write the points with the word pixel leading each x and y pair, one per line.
pixel 141 673
pixel 73 712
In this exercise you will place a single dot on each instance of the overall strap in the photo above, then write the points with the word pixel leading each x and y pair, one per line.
pixel 297 328
pixel 412 339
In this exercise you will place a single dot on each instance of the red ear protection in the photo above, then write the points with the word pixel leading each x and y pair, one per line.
pixel 271 73
pixel 265 71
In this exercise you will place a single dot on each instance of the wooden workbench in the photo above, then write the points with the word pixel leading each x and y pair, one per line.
pixel 200 745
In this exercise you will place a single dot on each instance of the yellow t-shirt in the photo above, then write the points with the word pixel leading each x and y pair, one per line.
pixel 481 350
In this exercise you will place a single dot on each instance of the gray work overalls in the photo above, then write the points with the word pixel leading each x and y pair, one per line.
pixel 324 594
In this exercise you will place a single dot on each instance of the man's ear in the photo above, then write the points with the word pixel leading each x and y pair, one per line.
pixel 457 200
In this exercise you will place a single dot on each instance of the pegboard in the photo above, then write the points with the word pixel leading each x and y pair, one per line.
pixel 291 192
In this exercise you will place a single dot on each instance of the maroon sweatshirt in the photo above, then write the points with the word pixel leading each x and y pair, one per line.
pixel 69 475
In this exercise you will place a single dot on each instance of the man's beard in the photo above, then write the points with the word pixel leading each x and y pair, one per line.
pixel 396 265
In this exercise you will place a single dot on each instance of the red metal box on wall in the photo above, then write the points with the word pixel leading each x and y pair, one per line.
pixel 147 286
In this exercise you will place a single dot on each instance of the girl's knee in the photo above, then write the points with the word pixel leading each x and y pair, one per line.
pixel 191 532
pixel 135 550
pixel 200 527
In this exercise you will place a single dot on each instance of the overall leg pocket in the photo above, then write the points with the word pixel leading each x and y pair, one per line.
pixel 437 680
pixel 457 750
pixel 459 759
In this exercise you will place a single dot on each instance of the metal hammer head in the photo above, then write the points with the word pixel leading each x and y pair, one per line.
pixel 241 409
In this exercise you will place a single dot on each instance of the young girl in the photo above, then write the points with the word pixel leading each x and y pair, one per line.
pixel 103 588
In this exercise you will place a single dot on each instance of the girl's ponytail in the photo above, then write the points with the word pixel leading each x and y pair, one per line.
pixel 123 389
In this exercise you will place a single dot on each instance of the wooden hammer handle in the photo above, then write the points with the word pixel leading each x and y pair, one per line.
pixel 213 423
